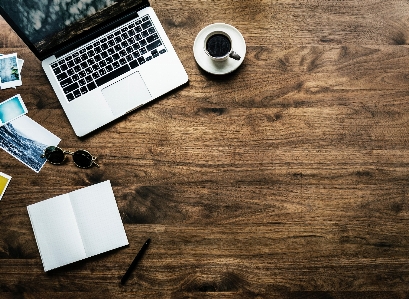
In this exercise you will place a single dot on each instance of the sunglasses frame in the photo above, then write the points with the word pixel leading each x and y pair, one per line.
pixel 93 158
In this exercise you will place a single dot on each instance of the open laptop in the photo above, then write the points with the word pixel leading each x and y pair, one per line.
pixel 103 58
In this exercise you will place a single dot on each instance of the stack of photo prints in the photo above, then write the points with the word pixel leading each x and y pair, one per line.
pixel 20 136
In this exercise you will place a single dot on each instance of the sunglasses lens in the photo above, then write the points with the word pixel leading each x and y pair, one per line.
pixel 54 155
pixel 82 158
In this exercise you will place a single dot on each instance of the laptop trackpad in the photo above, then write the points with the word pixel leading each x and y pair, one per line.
pixel 126 94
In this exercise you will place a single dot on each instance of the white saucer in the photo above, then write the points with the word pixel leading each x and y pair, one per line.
pixel 219 67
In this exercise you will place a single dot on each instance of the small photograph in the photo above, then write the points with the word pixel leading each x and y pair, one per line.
pixel 26 140
pixel 11 109
pixel 4 182
pixel 9 71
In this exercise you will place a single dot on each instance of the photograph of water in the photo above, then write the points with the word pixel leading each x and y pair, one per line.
pixel 26 140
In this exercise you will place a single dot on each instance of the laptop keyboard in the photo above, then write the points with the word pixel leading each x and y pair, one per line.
pixel 108 57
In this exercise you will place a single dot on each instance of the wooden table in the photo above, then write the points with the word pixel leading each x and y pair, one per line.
pixel 288 178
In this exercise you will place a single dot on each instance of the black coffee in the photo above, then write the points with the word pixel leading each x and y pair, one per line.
pixel 218 45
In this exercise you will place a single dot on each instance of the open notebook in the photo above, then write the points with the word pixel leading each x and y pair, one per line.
pixel 77 225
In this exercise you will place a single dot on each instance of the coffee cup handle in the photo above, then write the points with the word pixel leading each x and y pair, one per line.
pixel 234 55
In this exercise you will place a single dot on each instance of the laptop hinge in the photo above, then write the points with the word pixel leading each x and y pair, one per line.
pixel 99 31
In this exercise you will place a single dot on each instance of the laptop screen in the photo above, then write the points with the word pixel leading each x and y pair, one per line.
pixel 48 23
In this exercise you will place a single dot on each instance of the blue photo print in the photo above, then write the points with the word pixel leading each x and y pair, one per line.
pixel 11 109
pixel 9 71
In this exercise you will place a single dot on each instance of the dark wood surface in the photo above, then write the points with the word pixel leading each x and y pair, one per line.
pixel 288 178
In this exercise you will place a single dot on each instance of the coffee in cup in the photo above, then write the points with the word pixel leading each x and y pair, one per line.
pixel 218 46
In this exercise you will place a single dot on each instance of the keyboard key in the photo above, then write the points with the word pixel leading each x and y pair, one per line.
pixel 111 51
pixel 138 28
pixel 129 58
pixel 84 57
pixel 162 51
pixel 104 46
pixel 91 53
pixel 145 33
pixel 70 97
pixel 133 64
pixel 136 54
pixel 118 39
pixel 115 56
pixel 103 40
pixel 109 60
pixel 122 61
pixel 82 82
pixel 122 53
pixel 88 79
pixel 138 37
pixel 141 60
pixel 76 93
pixel 91 86
pixel 102 63
pixel 70 72
pixel 131 32
pixel 91 61
pixel 112 75
pixel 136 46
pixel 124 44
pixel 84 64
pixel 151 30
pixel 62 76
pixel 130 40
pixel 116 65
pixel 109 68
pixel 111 42
pixel 124 35
pixel 143 51
pixel 97 57
pixel 148 58
pixel 82 74
pixel 155 53
pixel 145 18
pixel 66 82
pixel 117 47
pixel 153 45
pixel 88 70
pixel 63 67
pixel 146 25
pixel 77 68
pixel 98 49
pixel 70 63
pixel 152 38
pixel 57 70
pixel 70 88
pixel 75 77
pixel 143 43
pixel 102 72
pixel 83 90
pixel 95 75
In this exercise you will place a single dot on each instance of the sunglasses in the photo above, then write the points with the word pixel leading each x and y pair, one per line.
pixel 56 156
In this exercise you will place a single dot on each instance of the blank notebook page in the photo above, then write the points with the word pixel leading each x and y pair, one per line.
pixel 56 232
pixel 98 218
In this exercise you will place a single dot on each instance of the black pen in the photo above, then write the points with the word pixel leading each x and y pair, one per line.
pixel 135 261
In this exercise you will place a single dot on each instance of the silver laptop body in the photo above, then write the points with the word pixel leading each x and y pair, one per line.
pixel 109 71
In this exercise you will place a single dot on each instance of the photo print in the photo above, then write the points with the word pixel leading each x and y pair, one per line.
pixel 9 71
pixel 11 109
pixel 26 141
pixel 4 182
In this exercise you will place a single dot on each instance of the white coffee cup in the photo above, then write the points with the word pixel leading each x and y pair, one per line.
pixel 218 46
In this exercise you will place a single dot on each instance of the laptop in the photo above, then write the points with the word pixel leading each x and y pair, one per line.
pixel 103 58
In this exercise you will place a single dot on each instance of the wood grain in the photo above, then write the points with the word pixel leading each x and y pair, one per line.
pixel 285 179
